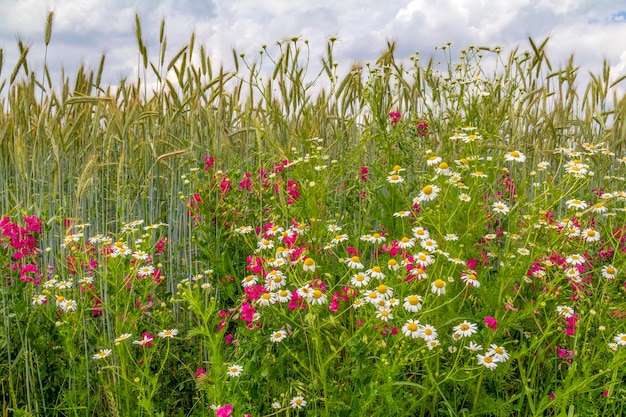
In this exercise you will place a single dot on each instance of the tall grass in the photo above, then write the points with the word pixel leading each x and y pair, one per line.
pixel 77 150
pixel 130 141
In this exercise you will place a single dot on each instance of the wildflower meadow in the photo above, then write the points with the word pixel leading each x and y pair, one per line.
pixel 442 235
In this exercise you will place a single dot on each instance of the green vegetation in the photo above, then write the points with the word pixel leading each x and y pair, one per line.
pixel 438 237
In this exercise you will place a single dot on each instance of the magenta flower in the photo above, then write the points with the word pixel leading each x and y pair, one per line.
pixel 245 183
pixel 422 127
pixel 571 325
pixel 225 411
pixel 247 312
pixel 364 172
pixel 34 224
pixel 491 322
pixel 208 162
pixel 28 272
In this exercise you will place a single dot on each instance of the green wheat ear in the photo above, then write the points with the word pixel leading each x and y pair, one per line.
pixel 112 403
pixel 48 30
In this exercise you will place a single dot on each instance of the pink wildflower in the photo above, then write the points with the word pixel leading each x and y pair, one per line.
pixel 225 411
pixel 395 116
pixel 363 173
pixel 352 251
pixel 571 325
pixel 208 162
pixel 245 183
pixel 422 127
pixel 27 272
pixel 491 322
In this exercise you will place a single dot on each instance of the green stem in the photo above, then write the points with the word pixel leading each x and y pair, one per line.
pixel 478 384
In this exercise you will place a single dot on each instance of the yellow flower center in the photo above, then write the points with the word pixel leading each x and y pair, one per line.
pixel 309 262
pixel 376 268
pixel 413 300
pixel 412 327
pixel 464 327
pixel 427 190
pixel 443 165
pixel 382 288
pixel 355 259
pixel 396 168
pixel 515 154
pixel 439 283
pixel 317 294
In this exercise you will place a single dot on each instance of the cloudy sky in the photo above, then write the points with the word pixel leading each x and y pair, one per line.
pixel 84 29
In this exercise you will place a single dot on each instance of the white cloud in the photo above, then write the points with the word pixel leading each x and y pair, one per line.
pixel 86 28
